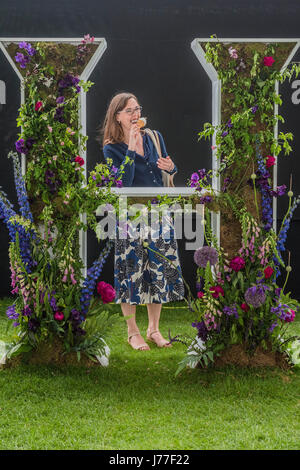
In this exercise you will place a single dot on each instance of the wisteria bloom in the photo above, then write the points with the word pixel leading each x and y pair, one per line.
pixel 255 296
pixel 205 254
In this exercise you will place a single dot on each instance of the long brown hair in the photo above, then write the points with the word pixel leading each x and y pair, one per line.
pixel 111 130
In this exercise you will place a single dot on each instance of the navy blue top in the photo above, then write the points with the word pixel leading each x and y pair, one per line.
pixel 144 170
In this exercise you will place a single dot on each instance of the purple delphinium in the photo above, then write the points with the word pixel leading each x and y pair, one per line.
pixel 24 147
pixel 76 320
pixel 255 296
pixel 205 254
pixel 12 314
pixel 93 274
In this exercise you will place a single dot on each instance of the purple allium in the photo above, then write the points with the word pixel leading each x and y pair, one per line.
pixel 255 296
pixel 205 254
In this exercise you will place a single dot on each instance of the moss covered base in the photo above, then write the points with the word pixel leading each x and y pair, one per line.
pixel 238 356
pixel 51 354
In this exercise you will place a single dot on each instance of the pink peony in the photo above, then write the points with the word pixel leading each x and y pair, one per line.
pixel 270 161
pixel 268 61
pixel 268 272
pixel 216 291
pixel 38 105
pixel 59 316
pixel 237 264
pixel 106 292
pixel 79 160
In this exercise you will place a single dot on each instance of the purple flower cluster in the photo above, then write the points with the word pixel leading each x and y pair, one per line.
pixel 76 320
pixel 23 146
pixel 195 178
pixel 231 311
pixel 113 176
pixel 59 112
pixel 12 314
pixel 205 254
pixel 255 296
pixel 205 199
pixel 24 59
pixel 51 181
pixel 283 312
pixel 92 276
pixel 68 81
pixel 202 330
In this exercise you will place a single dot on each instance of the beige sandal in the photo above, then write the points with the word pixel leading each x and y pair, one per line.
pixel 161 343
pixel 139 347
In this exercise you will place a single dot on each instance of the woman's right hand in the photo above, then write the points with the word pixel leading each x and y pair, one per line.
pixel 133 137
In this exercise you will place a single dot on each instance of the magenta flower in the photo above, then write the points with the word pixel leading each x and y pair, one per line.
pixel 59 316
pixel 268 61
pixel 237 264
pixel 106 292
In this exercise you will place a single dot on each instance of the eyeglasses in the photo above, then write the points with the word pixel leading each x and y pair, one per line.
pixel 131 111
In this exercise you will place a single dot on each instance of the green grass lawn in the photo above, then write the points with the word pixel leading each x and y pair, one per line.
pixel 137 403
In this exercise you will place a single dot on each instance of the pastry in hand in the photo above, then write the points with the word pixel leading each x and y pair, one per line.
pixel 142 122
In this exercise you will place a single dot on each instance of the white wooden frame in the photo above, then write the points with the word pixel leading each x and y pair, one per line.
pixel 102 45
pixel 216 105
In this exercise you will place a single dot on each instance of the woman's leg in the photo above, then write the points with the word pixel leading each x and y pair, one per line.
pixel 153 333
pixel 134 337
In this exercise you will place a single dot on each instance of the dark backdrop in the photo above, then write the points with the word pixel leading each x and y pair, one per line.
pixel 149 54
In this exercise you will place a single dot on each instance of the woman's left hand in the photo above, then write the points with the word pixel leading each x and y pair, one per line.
pixel 165 163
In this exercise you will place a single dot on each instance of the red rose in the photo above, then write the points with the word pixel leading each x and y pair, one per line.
pixel 59 316
pixel 237 264
pixel 270 161
pixel 79 160
pixel 268 272
pixel 245 307
pixel 216 291
pixel 268 61
pixel 200 295
pixel 38 105
pixel 106 292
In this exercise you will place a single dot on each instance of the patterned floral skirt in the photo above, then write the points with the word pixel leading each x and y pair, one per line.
pixel 141 275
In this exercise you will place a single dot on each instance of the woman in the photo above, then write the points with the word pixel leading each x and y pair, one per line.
pixel 141 276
